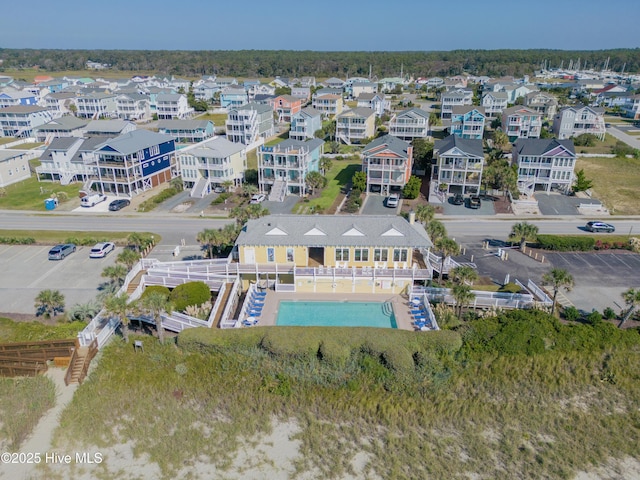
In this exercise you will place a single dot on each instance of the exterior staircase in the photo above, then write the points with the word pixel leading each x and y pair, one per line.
pixel 278 191
pixel 66 177
pixel 133 285
pixel 200 189
pixel 79 364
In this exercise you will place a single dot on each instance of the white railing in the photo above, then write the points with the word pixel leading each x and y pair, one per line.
pixel 216 305
pixel 225 320
pixel 540 293
pixel 483 299
pixel 285 287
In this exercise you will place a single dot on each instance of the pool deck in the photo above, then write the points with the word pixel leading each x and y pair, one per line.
pixel 400 304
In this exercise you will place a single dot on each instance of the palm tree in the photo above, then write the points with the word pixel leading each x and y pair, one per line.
pixel 631 298
pixel 118 305
pixel 523 232
pixel 325 164
pixel 463 274
pixel 116 274
pixel 49 302
pixel 436 230
pixel 227 184
pixel 462 295
pixel 128 257
pixel 425 213
pixel 558 278
pixel 447 247
pixel 207 238
pixel 84 311
pixel 156 303
pixel 136 240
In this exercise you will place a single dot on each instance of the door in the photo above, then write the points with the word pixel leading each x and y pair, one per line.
pixel 250 255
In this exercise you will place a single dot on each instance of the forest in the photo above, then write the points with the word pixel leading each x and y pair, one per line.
pixel 270 63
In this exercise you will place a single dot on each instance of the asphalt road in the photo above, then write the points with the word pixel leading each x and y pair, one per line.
pixel 626 138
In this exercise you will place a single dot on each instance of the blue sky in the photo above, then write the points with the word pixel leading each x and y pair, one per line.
pixel 373 25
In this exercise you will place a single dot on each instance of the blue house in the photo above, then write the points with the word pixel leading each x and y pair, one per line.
pixel 467 121
pixel 233 97
pixel 17 97
pixel 305 123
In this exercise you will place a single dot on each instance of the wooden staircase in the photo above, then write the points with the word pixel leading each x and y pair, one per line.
pixel 79 364
pixel 135 282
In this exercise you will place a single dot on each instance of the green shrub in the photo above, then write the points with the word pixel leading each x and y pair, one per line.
pixel 214 339
pixel 609 313
pixel 334 352
pixel 294 342
pixel 566 243
pixel 191 293
pixel 398 359
pixel 594 318
pixel 510 288
pixel 412 189
pixel 155 288
pixel 17 240
pixel 571 313
pixel 221 198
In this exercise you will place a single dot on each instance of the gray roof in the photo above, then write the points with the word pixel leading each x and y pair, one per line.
pixel 61 95
pixel 309 111
pixel 169 97
pixel 471 146
pixel 65 123
pixel 540 146
pixel 135 141
pixel 334 230
pixel 107 126
pixel 7 154
pixel 22 109
pixel 215 148
pixel 414 111
pixel 392 143
pixel 60 144
pixel 183 124
pixel 311 144
pixel 258 107
pixel 498 95
pixel 364 112
pixel 461 109
pixel 520 110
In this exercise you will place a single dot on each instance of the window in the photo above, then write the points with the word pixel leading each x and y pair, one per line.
pixel 361 255
pixel 289 254
pixel 342 254
pixel 399 254
pixel 271 254
pixel 381 255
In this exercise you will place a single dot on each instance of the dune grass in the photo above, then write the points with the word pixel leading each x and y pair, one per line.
pixel 35 331
pixel 523 398
pixel 51 237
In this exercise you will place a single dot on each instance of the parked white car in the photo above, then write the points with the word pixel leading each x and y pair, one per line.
pixel 93 199
pixel 258 198
pixel 100 250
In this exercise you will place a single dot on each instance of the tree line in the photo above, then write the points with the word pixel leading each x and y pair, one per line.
pixel 270 63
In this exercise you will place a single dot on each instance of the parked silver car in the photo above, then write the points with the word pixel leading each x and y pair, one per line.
pixel 60 251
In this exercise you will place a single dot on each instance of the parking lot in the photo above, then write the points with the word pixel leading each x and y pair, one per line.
pixel 27 271
pixel 560 204
pixel 486 207
pixel 375 205
pixel 599 277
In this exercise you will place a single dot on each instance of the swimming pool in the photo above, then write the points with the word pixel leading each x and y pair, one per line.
pixel 336 314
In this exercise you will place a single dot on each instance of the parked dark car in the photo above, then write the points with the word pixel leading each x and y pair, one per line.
pixel 595 226
pixel 458 199
pixel 474 202
pixel 60 251
pixel 118 204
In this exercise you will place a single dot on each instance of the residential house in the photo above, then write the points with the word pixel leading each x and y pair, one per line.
pixel 262 89
pixel 521 122
pixel 576 120
pixel 516 91
pixel 631 108
pixel 60 104
pixel 224 82
pixel 173 106
pixel 494 103
pixel 375 101
pixel 153 93
pixel 305 124
pixel 358 88
pixel 133 106
pixel 329 104
pixel 329 253
pixel 134 163
pixel 544 164
pixel 97 105
pixel 212 163
pixel 286 106
pixel 233 97
pixel 63 160
pixel 334 82
pixel 458 165
pixel 283 168
pixel 67 126
pixel 355 125
pixel 307 82
pixel 10 98
pixel 20 120
pixel 542 102
pixel 248 123
pixel 14 167
pixel 187 131
pixel 205 91
pixel 392 83
pixel 108 128
pixel 467 122
pixel 410 124
pixel 303 93
pixel 458 97
pixel 387 162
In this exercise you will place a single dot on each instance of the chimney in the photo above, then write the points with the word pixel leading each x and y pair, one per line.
pixel 412 217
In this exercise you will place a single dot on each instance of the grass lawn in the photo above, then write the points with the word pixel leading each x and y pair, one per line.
pixel 340 175
pixel 31 194
pixel 600 147
pixel 27 146
pixel 218 119
pixel 616 182
pixel 4 140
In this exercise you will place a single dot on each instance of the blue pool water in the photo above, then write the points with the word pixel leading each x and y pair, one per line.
pixel 336 314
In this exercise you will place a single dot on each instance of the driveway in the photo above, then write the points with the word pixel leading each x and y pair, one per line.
pixel 77 276
pixel 486 207
pixel 374 204
pixel 281 208
pixel 559 204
